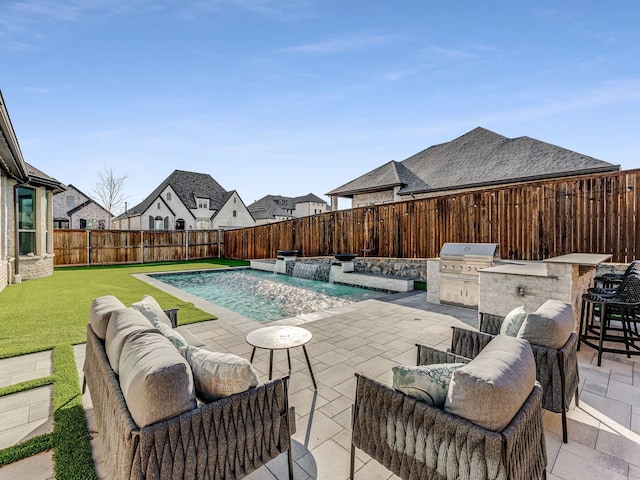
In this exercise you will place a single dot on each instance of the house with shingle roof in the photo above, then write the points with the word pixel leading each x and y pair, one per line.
pixel 275 208
pixel 26 199
pixel 187 201
pixel 477 159
pixel 74 209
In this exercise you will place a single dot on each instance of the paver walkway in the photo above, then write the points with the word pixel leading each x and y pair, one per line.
pixel 372 336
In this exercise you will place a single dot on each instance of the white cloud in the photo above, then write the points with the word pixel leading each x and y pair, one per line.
pixel 344 44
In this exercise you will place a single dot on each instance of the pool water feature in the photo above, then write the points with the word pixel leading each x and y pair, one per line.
pixel 264 296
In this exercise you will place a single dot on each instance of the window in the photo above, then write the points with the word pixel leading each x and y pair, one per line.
pixel 83 223
pixel 235 214
pixel 26 220
pixel 70 201
pixel 61 224
pixel 168 196
pixel 158 205
pixel 158 223
pixel 180 224
pixel 203 203
pixel 234 199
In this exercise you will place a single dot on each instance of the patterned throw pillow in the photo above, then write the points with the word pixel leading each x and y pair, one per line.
pixel 428 383
pixel 513 321
pixel 173 336
pixel 217 375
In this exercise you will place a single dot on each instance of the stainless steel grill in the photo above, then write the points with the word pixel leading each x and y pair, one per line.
pixel 459 265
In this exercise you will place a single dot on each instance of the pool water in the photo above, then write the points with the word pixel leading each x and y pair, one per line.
pixel 265 296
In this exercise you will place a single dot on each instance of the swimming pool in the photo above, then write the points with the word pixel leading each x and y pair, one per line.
pixel 264 296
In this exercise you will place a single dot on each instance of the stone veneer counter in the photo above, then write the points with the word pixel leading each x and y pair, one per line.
pixel 529 284
pixel 533 269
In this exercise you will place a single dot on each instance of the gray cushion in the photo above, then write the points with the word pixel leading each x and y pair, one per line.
pixel 123 323
pixel 489 390
pixel 428 383
pixel 151 309
pixel 100 312
pixel 217 375
pixel 550 325
pixel 513 321
pixel 156 381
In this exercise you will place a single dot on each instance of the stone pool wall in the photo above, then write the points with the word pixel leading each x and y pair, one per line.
pixel 413 268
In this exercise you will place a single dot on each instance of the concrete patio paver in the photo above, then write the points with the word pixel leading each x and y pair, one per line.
pixel 603 438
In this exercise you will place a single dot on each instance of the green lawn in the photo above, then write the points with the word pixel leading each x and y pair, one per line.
pixel 52 313
pixel 38 314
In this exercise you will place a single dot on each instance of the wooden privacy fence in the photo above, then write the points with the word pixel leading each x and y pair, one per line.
pixel 531 221
pixel 108 247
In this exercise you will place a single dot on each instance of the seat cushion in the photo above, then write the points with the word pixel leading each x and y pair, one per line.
pixel 489 390
pixel 123 323
pixel 549 326
pixel 100 313
pixel 428 383
pixel 217 375
pixel 513 321
pixel 152 310
pixel 156 381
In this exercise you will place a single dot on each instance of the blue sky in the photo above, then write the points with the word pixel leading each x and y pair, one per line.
pixel 296 96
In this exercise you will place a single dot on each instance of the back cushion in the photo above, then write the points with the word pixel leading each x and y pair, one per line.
pixel 100 313
pixel 489 390
pixel 151 309
pixel 156 381
pixel 550 325
pixel 123 323
pixel 513 321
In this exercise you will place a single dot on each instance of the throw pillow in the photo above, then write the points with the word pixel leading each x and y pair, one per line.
pixel 156 381
pixel 123 323
pixel 217 375
pixel 173 336
pixel 100 313
pixel 152 310
pixel 549 326
pixel 428 383
pixel 491 388
pixel 513 321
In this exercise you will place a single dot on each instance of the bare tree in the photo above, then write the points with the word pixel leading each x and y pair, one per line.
pixel 109 191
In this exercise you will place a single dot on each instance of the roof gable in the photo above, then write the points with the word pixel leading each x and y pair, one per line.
pixel 187 186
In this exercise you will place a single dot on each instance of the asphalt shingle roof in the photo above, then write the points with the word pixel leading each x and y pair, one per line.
pixel 270 206
pixel 188 186
pixel 479 157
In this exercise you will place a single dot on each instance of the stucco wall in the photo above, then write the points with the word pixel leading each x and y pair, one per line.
pixel 364 199
pixel 224 218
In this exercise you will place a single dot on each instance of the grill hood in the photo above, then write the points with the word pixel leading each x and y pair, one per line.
pixel 470 251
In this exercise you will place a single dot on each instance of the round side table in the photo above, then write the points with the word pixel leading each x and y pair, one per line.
pixel 281 338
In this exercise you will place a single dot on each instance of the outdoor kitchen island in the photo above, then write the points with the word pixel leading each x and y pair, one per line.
pixel 515 283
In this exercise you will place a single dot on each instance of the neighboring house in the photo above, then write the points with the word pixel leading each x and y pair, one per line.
pixel 26 211
pixel 275 208
pixel 74 209
pixel 187 201
pixel 479 158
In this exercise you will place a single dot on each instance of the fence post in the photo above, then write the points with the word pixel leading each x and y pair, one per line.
pixel 141 246
pixel 88 248
pixel 186 243
pixel 219 235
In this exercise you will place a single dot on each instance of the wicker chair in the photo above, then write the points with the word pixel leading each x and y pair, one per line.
pixel 416 440
pixel 556 370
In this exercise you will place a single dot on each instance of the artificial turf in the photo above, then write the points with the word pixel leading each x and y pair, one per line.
pixel 52 313
pixel 38 314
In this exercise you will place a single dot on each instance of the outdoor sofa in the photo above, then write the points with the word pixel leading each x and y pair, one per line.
pixel 150 424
